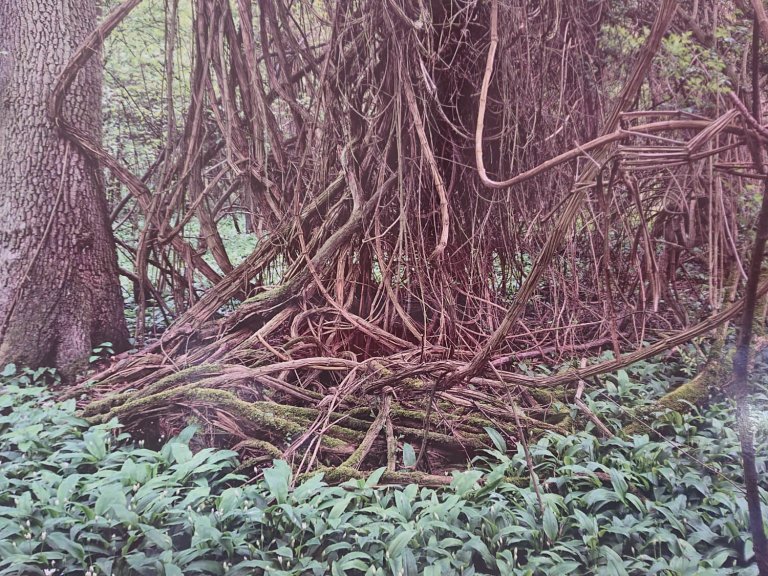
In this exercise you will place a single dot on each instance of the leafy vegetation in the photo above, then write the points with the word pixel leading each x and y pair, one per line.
pixel 80 499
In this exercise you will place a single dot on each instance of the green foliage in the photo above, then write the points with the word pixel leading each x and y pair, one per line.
pixel 76 499
pixel 101 352
pixel 686 74
pixel 697 73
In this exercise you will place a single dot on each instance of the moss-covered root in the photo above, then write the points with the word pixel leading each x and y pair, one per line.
pixel 274 420
pixel 362 450
pixel 695 392
pixel 698 390
pixel 185 376
pixel 343 473
pixel 260 446
pixel 264 453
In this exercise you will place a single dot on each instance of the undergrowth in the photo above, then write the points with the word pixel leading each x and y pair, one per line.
pixel 87 500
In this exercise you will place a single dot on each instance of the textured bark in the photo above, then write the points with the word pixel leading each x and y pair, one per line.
pixel 59 290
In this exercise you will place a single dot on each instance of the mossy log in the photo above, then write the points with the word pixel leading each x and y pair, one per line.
pixel 695 392
pixel 339 474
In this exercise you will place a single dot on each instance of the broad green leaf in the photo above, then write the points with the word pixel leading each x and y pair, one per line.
pixel 95 443
pixel 110 496
pixel 618 482
pixel 205 532
pixel 309 488
pixel 340 506
pixel 156 537
pixel 399 542
pixel 466 481
pixel 563 568
pixel 614 565
pixel 181 453
pixel 497 439
pixel 59 541
pixel 550 525
pixel 172 570
pixel 374 477
pixel 278 478
pixel 229 500
pixel 9 370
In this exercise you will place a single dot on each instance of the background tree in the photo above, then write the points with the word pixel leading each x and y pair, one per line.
pixel 59 290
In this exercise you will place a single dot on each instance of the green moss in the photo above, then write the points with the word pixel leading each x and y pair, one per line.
pixel 344 473
pixel 466 441
pixel 276 419
pixel 696 392
pixel 136 405
pixel 163 384
pixel 262 446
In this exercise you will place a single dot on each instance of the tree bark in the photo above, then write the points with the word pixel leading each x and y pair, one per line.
pixel 59 289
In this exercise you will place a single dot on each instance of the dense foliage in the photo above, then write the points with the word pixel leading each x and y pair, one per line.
pixel 80 499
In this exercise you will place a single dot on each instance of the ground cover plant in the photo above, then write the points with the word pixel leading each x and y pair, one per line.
pixel 81 499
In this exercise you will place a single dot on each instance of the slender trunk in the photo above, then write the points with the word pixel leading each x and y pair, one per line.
pixel 742 392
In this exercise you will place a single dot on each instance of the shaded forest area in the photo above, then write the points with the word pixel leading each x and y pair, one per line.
pixel 358 235
pixel 346 227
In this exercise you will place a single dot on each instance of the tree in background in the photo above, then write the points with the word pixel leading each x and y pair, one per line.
pixel 59 290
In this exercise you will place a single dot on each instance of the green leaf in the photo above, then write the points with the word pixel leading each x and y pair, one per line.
pixel 464 482
pixel 636 502
pixel 59 541
pixel 181 452
pixel 478 546
pixel 105 564
pixel 172 570
pixel 278 478
pixel 409 456
pixel 95 443
pixel 9 370
pixel 497 439
pixel 67 487
pixel 375 476
pixel 156 537
pixel 24 505
pixel 340 506
pixel 186 435
pixel 284 551
pixel 599 497
pixel 109 497
pixel 618 482
pixel 204 532
pixel 614 563
pixel 229 500
pixel 563 568
pixel 308 488
pixel 399 542
pixel 550 525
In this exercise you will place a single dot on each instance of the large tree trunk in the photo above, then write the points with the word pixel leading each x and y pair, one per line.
pixel 59 290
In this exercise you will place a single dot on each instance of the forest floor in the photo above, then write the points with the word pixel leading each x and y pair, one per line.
pixel 82 499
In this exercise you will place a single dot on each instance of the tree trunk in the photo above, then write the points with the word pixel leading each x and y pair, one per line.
pixel 59 289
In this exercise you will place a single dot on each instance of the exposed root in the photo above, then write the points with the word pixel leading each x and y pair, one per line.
pixel 398 280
